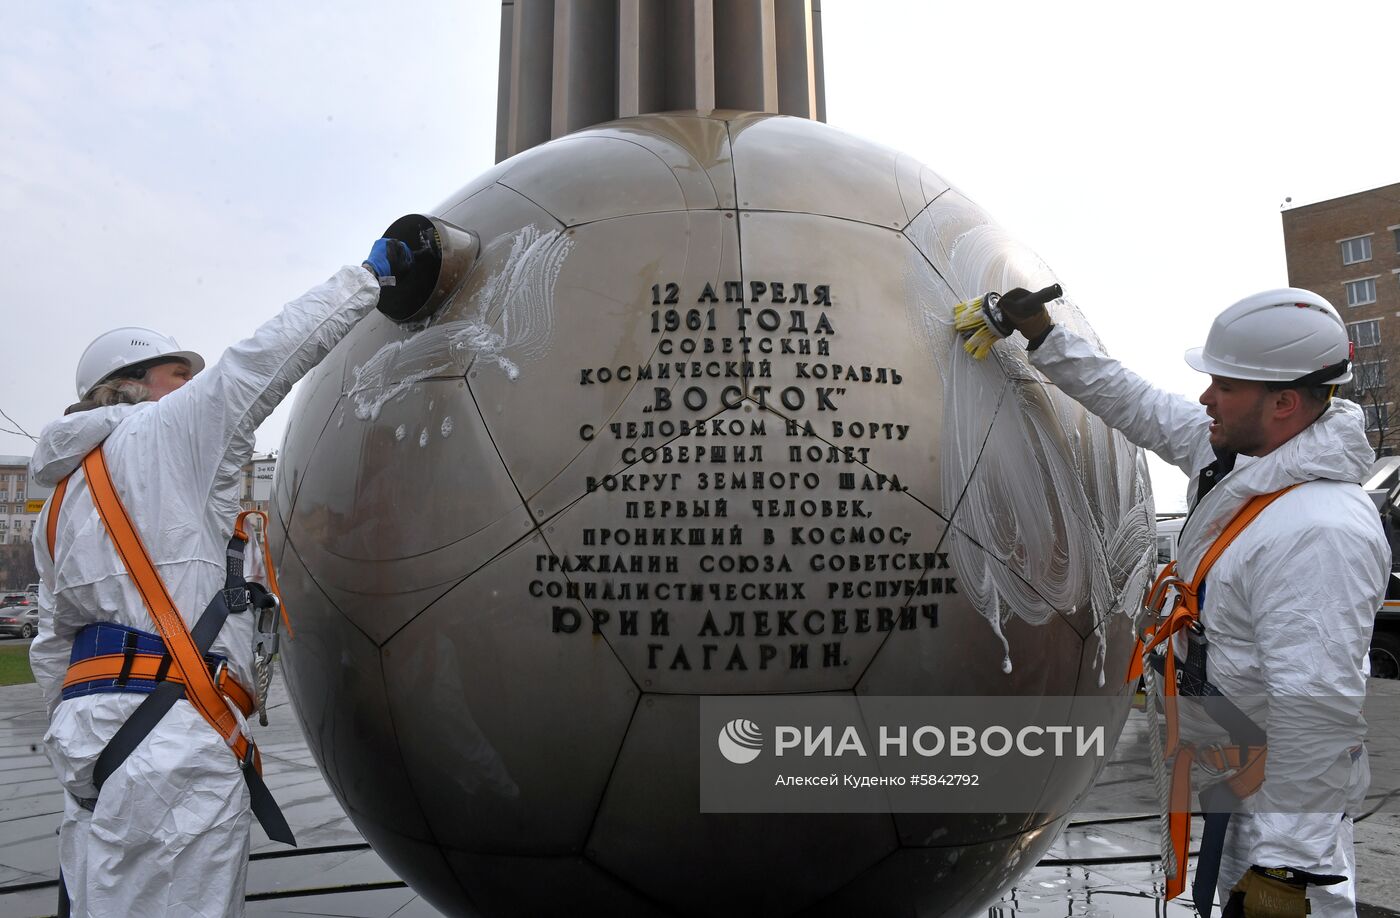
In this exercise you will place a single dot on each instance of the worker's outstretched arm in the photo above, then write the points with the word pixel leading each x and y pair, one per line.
pixel 220 409
pixel 1172 426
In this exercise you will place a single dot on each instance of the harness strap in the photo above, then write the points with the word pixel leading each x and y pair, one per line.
pixel 147 667
pixel 1180 819
pixel 1247 759
pixel 186 649
pixel 1186 610
pixel 1219 804
pixel 155 706
pixel 1242 519
pixel 189 660
pixel 55 502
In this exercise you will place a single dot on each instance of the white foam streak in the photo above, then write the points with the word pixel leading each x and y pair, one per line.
pixel 1057 517
pixel 513 311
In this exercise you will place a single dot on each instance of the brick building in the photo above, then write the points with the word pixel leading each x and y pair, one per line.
pixel 1348 250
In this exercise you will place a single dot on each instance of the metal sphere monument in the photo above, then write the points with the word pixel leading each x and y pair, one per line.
pixel 696 423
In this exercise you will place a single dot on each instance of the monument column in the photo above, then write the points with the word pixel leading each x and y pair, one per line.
pixel 567 64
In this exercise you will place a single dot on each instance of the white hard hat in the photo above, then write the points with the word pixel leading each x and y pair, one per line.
pixel 126 347
pixel 1288 335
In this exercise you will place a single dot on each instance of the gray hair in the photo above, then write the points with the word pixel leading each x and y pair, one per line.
pixel 115 391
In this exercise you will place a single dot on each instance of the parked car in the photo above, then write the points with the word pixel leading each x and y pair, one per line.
pixel 19 614
pixel 1168 531
pixel 1385 641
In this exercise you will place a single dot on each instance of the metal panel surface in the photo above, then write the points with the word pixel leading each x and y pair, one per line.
pixel 474 688
pixel 918 184
pixel 696 150
pixel 686 141
pixel 873 377
pixel 1102 669
pixel 972 252
pixel 769 864
pixel 623 178
pixel 1028 500
pixel 600 340
pixel 952 881
pixel 337 691
pixel 976 652
pixel 382 566
pixel 316 400
pixel 340 701
pixel 533 887
pixel 792 164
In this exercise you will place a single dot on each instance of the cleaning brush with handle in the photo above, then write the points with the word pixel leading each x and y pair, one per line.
pixel 983 322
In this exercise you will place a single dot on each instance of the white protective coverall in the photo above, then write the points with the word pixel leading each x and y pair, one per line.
pixel 1288 611
pixel 170 832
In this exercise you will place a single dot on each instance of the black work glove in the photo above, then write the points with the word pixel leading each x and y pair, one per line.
pixel 1275 892
pixel 1025 311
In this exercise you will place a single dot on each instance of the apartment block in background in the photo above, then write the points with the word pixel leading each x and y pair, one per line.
pixel 1348 250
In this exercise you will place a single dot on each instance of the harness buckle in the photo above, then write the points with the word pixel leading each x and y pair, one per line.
pixel 219 672
pixel 1214 752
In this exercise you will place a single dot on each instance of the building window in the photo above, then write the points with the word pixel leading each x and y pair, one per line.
pixel 1365 334
pixel 1369 376
pixel 1361 292
pixel 1356 250
pixel 1396 231
pixel 1377 416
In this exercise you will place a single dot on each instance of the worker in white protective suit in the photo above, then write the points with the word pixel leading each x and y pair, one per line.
pixel 1289 605
pixel 168 834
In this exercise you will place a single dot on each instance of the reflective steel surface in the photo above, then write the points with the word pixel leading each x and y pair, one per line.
pixel 702 374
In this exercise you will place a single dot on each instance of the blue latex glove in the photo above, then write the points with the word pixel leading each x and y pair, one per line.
pixel 389 258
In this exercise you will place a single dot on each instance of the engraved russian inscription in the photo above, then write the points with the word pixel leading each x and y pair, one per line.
pixel 782 570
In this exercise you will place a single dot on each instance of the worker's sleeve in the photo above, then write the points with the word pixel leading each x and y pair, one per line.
pixel 64 442
pixel 1173 427
pixel 218 411
pixel 1312 594
pixel 48 652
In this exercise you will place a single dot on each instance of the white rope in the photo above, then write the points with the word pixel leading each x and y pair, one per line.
pixel 264 672
pixel 1161 780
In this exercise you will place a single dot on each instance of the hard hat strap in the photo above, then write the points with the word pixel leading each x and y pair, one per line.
pixel 1315 378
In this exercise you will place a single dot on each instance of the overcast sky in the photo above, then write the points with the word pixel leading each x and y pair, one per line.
pixel 190 166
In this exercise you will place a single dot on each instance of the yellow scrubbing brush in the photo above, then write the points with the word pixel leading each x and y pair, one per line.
pixel 983 323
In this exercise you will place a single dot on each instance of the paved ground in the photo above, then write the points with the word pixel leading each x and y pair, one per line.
pixel 1100 868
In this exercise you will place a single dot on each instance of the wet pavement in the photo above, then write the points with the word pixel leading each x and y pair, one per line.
pixel 1101 867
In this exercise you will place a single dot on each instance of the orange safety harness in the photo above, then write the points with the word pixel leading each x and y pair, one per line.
pixel 1243 763
pixel 189 676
